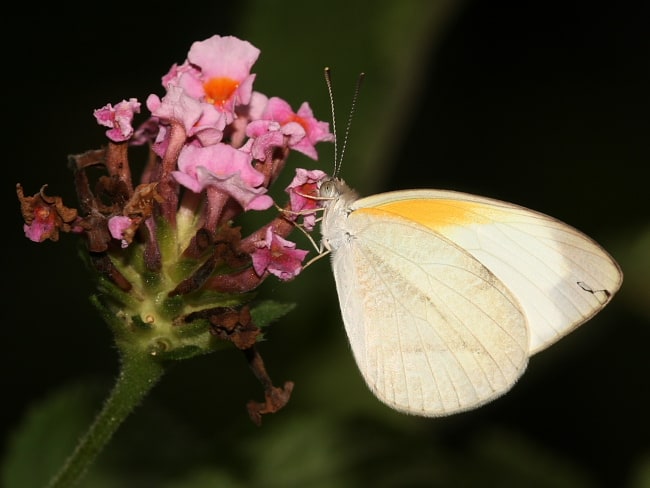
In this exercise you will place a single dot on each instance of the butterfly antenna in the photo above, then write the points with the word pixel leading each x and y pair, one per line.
pixel 338 158
pixel 328 80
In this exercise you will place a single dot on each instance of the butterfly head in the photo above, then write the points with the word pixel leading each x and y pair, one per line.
pixel 333 191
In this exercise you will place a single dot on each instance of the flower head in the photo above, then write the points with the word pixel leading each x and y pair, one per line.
pixel 175 274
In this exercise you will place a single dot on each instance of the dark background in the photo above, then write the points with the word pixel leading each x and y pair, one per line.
pixel 541 103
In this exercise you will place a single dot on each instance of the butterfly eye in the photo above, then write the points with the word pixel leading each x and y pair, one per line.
pixel 329 189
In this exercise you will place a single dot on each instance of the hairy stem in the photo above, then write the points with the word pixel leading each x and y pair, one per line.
pixel 139 373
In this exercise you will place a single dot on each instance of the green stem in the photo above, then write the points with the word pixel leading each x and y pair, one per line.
pixel 138 374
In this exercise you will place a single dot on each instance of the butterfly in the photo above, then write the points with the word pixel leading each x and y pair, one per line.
pixel 445 295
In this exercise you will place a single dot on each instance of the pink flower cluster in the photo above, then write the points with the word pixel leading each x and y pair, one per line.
pixel 218 138
pixel 174 265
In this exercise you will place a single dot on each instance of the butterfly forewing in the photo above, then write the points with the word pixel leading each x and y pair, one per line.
pixel 560 276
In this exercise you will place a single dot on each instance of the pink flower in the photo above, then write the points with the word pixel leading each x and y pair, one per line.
pixel 256 106
pixel 117 226
pixel 175 105
pixel 245 114
pixel 267 134
pixel 176 71
pixel 315 131
pixel 278 256
pixel 225 168
pixel 46 216
pixel 221 72
pixel 43 225
pixel 199 119
pixel 304 185
pixel 146 132
pixel 118 118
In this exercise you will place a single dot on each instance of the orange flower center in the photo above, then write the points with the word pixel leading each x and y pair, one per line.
pixel 308 190
pixel 219 90
pixel 299 120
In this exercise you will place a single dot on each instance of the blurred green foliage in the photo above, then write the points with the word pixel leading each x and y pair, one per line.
pixel 542 104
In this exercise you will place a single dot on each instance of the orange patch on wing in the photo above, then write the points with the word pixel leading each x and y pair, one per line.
pixel 434 213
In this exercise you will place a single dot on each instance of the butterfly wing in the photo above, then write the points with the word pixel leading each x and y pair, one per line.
pixel 433 331
pixel 560 276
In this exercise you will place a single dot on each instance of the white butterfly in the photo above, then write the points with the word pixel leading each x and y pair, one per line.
pixel 446 295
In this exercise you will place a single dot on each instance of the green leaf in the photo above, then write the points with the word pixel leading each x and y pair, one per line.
pixel 207 477
pixel 507 458
pixel 47 435
pixel 316 441
pixel 641 473
pixel 201 298
pixel 267 311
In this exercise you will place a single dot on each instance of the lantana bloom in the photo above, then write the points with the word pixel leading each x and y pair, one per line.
pixel 302 192
pixel 117 226
pixel 42 226
pixel 219 73
pixel 226 168
pixel 278 256
pixel 315 131
pixel 268 134
pixel 118 118
pixel 199 119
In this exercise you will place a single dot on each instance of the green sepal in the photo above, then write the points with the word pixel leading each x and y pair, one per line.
pixel 110 317
pixel 193 328
pixel 187 351
pixel 138 323
pixel 104 285
pixel 172 307
pixel 166 237
pixel 130 262
pixel 180 353
pixel 183 269
pixel 111 291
